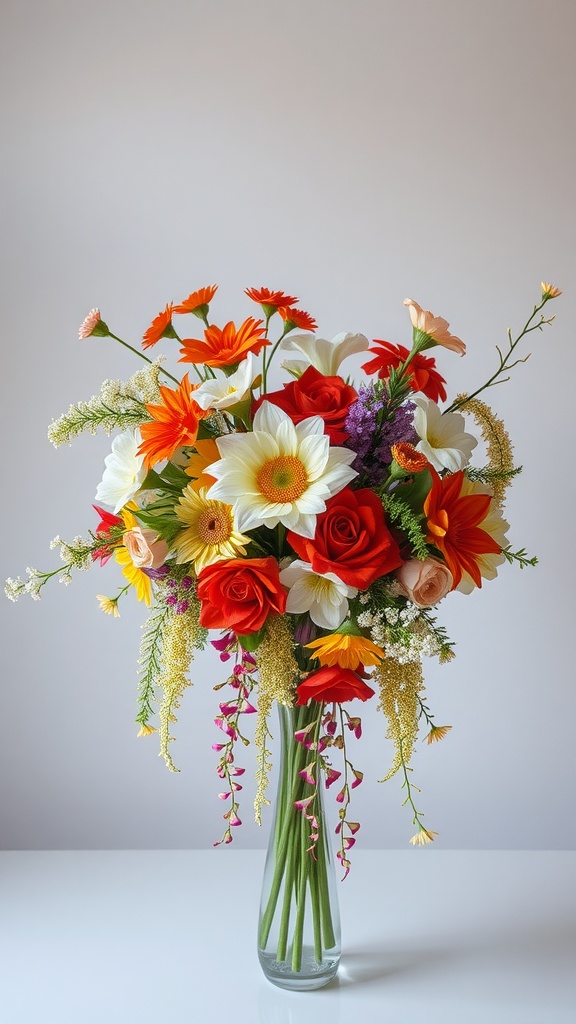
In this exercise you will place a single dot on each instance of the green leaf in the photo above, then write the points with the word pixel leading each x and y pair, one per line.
pixel 250 641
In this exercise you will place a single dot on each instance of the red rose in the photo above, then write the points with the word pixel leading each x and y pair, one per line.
pixel 425 376
pixel 334 684
pixel 240 594
pixel 352 540
pixel 315 395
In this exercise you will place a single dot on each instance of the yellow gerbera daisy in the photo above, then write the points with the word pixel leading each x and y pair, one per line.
pixel 346 650
pixel 210 535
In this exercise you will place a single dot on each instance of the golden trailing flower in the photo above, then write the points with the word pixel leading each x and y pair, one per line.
pixel 498 444
pixel 437 733
pixel 399 688
pixel 278 670
pixel 145 730
pixel 549 291
pixel 423 837
pixel 179 638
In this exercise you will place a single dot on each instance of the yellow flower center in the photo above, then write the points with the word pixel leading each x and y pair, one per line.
pixel 215 523
pixel 283 479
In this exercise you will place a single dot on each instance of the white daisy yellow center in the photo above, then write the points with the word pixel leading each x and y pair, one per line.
pixel 283 479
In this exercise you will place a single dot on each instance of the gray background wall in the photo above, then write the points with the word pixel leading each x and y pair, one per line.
pixel 353 153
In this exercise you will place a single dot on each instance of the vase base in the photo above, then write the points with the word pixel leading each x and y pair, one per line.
pixel 311 975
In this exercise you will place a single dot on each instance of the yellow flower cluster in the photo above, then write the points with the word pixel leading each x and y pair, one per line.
pixel 180 636
pixel 498 444
pixel 278 671
pixel 399 688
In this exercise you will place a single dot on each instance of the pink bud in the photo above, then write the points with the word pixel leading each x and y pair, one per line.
pixel 349 843
pixel 218 746
pixel 340 796
pixel 235 820
pixel 307 776
pixel 224 796
pixel 353 826
pixel 331 776
pixel 302 805
pixel 358 776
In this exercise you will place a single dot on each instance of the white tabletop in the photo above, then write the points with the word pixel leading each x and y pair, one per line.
pixel 116 937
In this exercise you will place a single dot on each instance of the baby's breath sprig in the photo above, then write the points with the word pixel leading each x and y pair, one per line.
pixel 119 405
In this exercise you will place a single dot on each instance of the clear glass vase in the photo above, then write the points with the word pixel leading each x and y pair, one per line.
pixel 299 924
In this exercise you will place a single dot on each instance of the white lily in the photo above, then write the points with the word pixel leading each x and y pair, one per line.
pixel 125 471
pixel 221 392
pixel 443 439
pixel 325 355
pixel 324 597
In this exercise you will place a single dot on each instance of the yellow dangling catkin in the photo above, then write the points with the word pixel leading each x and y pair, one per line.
pixel 399 688
pixel 181 633
pixel 498 444
pixel 278 672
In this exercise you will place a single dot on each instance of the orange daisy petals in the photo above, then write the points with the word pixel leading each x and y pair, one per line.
pixel 298 317
pixel 226 346
pixel 206 453
pixel 454 525
pixel 268 298
pixel 174 423
pixel 203 297
pixel 158 327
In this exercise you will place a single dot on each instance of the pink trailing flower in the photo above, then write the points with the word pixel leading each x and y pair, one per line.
pixel 355 726
pixel 306 774
pixel 303 805
pixel 331 776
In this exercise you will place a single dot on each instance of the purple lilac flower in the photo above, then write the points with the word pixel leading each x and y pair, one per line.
pixel 400 428
pixel 371 434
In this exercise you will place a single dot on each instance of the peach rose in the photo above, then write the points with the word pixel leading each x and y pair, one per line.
pixel 424 583
pixel 146 549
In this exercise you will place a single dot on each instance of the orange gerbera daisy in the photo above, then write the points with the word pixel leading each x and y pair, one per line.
pixel 297 318
pixel 206 453
pixel 161 327
pixel 346 650
pixel 454 525
pixel 196 300
pixel 408 458
pixel 174 423
pixel 225 347
pixel 267 298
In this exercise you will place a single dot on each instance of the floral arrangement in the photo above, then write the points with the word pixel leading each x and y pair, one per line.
pixel 310 531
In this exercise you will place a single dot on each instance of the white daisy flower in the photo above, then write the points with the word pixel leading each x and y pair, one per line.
pixel 223 391
pixel 125 471
pixel 280 472
pixel 324 597
pixel 325 355
pixel 443 439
